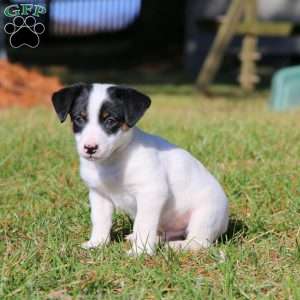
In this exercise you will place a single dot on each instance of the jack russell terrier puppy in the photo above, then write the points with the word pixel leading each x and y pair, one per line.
pixel 164 189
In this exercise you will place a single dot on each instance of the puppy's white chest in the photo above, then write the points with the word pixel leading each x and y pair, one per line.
pixel 110 183
pixel 106 180
pixel 125 202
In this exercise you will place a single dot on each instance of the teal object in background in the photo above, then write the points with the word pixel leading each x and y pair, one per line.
pixel 286 89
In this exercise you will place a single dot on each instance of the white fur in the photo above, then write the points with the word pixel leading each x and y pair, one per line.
pixel 162 187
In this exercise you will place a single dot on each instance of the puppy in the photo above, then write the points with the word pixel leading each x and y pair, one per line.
pixel 163 188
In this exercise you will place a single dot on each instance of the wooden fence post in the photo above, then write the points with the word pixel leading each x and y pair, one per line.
pixel 248 77
pixel 224 36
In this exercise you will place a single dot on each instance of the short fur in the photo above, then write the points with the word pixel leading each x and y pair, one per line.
pixel 164 189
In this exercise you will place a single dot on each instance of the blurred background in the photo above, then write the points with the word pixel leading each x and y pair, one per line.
pixel 147 41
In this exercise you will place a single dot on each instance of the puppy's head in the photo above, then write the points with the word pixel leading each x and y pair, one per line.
pixel 102 116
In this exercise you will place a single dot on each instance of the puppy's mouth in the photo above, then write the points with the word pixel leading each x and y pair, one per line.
pixel 91 157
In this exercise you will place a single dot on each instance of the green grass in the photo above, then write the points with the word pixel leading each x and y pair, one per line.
pixel 44 212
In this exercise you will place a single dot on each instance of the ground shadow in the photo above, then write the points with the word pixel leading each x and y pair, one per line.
pixel 237 229
pixel 122 226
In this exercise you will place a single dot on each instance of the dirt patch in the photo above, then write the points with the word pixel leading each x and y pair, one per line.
pixel 24 87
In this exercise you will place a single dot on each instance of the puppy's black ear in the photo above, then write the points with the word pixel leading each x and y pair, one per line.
pixel 134 103
pixel 63 99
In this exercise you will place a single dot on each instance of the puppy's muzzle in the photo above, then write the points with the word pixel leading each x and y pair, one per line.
pixel 90 148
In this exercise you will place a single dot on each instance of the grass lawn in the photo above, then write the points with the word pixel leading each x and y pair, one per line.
pixel 44 211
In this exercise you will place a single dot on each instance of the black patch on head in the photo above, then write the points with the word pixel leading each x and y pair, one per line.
pixel 127 104
pixel 73 100
pixel 111 117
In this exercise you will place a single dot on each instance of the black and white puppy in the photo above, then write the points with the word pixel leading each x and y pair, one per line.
pixel 163 188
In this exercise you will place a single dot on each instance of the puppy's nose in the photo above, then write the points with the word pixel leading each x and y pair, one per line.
pixel 90 148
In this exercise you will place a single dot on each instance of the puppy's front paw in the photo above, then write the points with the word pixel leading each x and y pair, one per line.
pixel 130 237
pixel 92 244
pixel 134 251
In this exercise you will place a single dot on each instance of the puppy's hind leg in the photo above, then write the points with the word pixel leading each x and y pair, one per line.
pixel 204 228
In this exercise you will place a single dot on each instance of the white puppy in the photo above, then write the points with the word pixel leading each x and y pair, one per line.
pixel 164 189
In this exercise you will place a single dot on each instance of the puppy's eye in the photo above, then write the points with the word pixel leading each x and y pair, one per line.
pixel 83 115
pixel 110 121
pixel 80 118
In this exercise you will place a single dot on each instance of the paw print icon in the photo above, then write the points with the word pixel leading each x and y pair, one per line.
pixel 24 32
